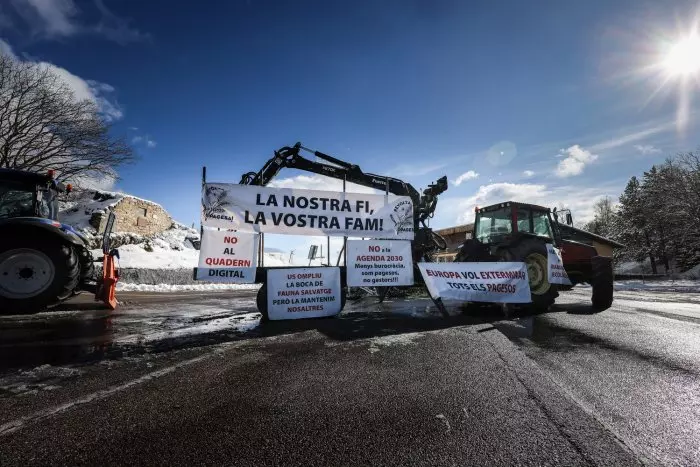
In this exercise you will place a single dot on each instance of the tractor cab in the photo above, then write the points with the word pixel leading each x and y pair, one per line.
pixel 28 194
pixel 506 222
pixel 42 261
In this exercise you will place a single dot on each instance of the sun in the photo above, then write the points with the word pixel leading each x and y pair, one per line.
pixel 684 57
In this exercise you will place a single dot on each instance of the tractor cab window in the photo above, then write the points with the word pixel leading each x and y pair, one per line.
pixel 493 224
pixel 524 221
pixel 534 222
pixel 541 225
pixel 16 202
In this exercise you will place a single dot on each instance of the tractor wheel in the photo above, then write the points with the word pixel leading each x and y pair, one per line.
pixel 602 283
pixel 261 302
pixel 87 265
pixel 472 251
pixel 36 272
pixel 534 254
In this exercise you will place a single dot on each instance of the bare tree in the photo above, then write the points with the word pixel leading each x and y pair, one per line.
pixel 604 217
pixel 43 126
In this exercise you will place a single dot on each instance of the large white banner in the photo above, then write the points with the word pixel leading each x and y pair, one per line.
pixel 306 212
pixel 303 293
pixel 379 263
pixel 227 257
pixel 500 282
pixel 555 266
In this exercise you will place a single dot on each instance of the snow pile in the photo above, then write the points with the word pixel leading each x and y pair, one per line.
pixel 173 249
pixel 685 286
pixel 692 274
pixel 633 267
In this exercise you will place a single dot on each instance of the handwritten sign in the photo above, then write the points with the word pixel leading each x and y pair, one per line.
pixel 556 272
pixel 303 293
pixel 379 263
pixel 499 282
pixel 226 256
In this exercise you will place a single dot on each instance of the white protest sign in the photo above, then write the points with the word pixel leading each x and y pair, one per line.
pixel 377 263
pixel 227 257
pixel 504 282
pixel 306 212
pixel 303 293
pixel 555 266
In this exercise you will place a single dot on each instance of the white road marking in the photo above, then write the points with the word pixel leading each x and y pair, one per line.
pixel 445 420
pixel 14 425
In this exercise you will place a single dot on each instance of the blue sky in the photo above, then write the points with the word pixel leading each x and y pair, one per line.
pixel 546 101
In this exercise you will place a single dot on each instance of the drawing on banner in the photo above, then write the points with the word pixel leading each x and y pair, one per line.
pixel 556 272
pixel 303 293
pixel 499 282
pixel 306 212
pixel 403 216
pixel 226 256
pixel 377 263
pixel 214 201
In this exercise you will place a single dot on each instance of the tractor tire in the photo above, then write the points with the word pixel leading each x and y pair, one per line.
pixel 261 302
pixel 602 283
pixel 534 254
pixel 473 251
pixel 36 272
pixel 87 265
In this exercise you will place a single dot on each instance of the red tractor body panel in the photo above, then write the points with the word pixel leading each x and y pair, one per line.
pixel 577 258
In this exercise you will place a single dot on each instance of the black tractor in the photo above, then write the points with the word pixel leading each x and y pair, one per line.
pixel 42 261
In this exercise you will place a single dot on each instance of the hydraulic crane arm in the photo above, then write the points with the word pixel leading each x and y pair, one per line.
pixel 289 157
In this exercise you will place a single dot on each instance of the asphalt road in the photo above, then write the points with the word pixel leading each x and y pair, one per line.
pixel 636 367
pixel 194 379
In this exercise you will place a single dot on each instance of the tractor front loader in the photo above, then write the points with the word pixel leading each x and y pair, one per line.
pixel 513 231
pixel 42 261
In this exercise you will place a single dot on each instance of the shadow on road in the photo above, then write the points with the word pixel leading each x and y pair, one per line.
pixel 80 332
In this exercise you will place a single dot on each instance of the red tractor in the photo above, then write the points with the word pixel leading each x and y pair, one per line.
pixel 513 231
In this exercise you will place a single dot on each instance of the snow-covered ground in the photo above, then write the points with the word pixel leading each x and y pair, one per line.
pixel 682 285
pixel 126 287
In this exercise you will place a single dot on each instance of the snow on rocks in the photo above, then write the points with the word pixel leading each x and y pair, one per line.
pixel 174 249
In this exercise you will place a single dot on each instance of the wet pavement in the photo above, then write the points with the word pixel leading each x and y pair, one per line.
pixel 81 332
pixel 636 366
pixel 633 368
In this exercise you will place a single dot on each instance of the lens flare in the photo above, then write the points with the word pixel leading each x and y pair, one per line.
pixel 684 56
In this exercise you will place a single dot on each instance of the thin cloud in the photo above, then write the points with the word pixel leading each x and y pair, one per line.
pixel 468 175
pixel 496 193
pixel 320 182
pixel 6 49
pixel 528 173
pixel 115 28
pixel 145 139
pixel 632 137
pixel 55 19
pixel 579 198
pixel 48 18
pixel 576 159
pixel 102 94
pixel 413 170
pixel 647 149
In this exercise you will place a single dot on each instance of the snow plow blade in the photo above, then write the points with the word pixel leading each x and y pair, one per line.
pixel 107 290
pixel 110 276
